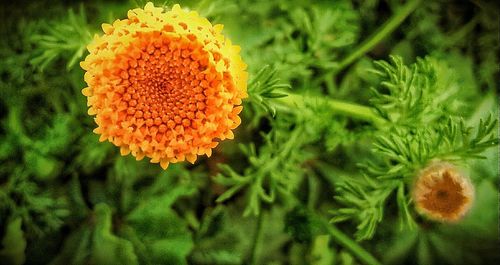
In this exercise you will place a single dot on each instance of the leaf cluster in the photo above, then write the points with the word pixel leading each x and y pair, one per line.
pixel 418 94
pixel 67 39
pixel 274 170
pixel 420 128
pixel 264 86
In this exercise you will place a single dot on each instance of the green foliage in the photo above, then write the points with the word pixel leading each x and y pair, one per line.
pixel 295 38
pixel 406 150
pixel 442 240
pixel 321 254
pixel 40 210
pixel 331 129
pixel 14 244
pixel 67 39
pixel 265 86
pixel 107 248
pixel 216 241
pixel 300 225
pixel 150 233
pixel 420 129
pixel 362 202
pixel 419 94
pixel 272 171
pixel 96 244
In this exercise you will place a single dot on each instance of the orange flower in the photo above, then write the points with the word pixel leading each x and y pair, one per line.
pixel 165 85
pixel 442 193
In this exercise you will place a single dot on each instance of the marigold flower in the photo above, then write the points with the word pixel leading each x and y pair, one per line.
pixel 442 193
pixel 164 85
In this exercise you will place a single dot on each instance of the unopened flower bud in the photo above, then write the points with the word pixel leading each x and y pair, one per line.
pixel 443 193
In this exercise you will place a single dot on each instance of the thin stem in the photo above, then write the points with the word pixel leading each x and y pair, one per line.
pixel 462 33
pixel 340 107
pixel 342 239
pixel 387 28
pixel 17 127
pixel 256 239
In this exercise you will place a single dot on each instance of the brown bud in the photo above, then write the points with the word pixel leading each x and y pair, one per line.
pixel 442 193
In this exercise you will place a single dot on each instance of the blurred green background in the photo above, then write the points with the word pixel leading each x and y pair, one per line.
pixel 265 197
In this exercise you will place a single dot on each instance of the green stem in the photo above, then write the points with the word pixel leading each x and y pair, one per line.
pixel 342 239
pixel 256 239
pixel 340 107
pixel 462 33
pixel 387 28
pixel 16 125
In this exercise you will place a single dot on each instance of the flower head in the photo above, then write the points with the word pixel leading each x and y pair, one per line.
pixel 442 193
pixel 164 85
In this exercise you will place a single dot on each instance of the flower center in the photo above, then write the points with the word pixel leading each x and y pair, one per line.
pixel 445 196
pixel 167 83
